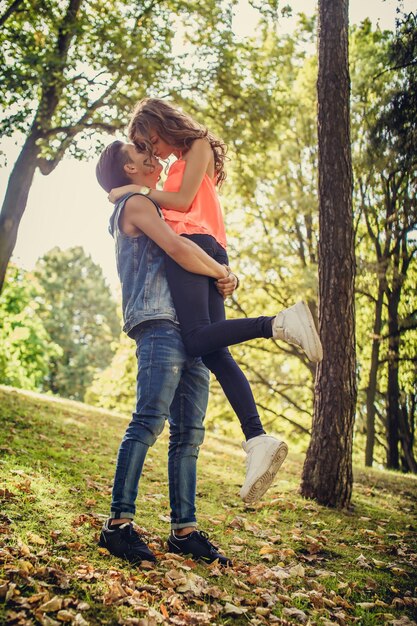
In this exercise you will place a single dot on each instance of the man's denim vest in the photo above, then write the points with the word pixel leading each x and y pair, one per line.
pixel 141 268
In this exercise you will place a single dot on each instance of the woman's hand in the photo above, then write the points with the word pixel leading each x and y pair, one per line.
pixel 118 192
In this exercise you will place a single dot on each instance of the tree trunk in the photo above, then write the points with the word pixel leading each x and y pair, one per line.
pixel 372 383
pixel 327 472
pixel 393 391
pixel 407 439
pixel 15 200
pixel 399 432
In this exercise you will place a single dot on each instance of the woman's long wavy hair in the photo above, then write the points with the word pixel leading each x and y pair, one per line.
pixel 176 128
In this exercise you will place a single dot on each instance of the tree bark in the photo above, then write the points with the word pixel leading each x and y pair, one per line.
pixel 372 382
pixel 398 429
pixel 407 429
pixel 393 390
pixel 15 200
pixel 327 472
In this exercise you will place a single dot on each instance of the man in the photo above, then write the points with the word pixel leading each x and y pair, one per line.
pixel 170 385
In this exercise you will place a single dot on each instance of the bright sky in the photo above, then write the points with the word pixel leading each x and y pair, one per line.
pixel 68 208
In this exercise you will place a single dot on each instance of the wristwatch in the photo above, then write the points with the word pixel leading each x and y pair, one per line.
pixel 145 191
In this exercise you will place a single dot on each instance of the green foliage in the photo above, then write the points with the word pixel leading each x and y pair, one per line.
pixel 71 69
pixel 80 66
pixel 80 315
pixel 115 387
pixel 271 215
pixel 396 127
pixel 262 101
pixel 26 348
pixel 384 203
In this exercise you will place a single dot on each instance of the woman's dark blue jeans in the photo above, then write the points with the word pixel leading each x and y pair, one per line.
pixel 207 333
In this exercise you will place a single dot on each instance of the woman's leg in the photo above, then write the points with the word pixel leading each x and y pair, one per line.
pixel 233 381
pixel 204 311
pixel 201 333
pixel 200 309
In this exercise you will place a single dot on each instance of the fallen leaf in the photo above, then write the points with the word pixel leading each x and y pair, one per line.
pixel 231 609
pixel 236 548
pixel 5 494
pixel 297 570
pixel 398 571
pixel 299 615
pixel 79 621
pixel 114 594
pixel 280 572
pixel 11 590
pixel 34 538
pixel 324 573
pixel 175 578
pixel 51 606
pixel 262 610
pixel 194 584
pixel 65 616
pixel 362 562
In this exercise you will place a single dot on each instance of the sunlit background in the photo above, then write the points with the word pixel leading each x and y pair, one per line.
pixel 68 208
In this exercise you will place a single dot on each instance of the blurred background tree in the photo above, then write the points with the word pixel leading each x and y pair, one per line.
pixel 80 315
pixel 26 348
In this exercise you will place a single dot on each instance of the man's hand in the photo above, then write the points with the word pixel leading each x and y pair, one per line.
pixel 226 286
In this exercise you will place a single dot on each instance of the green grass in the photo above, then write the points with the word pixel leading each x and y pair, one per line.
pixel 294 561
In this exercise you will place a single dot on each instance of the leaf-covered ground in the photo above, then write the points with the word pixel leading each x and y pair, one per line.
pixel 294 561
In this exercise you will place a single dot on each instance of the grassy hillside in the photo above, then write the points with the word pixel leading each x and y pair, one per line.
pixel 294 561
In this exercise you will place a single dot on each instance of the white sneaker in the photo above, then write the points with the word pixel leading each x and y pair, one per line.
pixel 265 455
pixel 296 326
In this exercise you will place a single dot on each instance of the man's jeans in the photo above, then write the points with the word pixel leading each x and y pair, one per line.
pixel 172 386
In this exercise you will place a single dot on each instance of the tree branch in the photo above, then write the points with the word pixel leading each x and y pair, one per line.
pixel 287 419
pixel 104 126
pixel 47 166
pixel 8 12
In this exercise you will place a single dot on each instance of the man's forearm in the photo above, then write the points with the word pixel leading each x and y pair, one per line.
pixel 193 259
pixel 142 215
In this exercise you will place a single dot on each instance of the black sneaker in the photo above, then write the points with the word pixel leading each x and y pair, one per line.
pixel 123 541
pixel 197 544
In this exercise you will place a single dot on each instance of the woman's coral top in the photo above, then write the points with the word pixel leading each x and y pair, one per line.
pixel 204 217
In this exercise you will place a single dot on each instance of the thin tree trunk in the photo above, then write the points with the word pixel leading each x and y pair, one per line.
pixel 393 391
pixel 398 428
pixel 327 472
pixel 407 440
pixel 372 383
pixel 15 200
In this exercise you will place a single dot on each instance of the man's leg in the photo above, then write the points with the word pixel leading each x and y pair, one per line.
pixel 159 371
pixel 186 435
